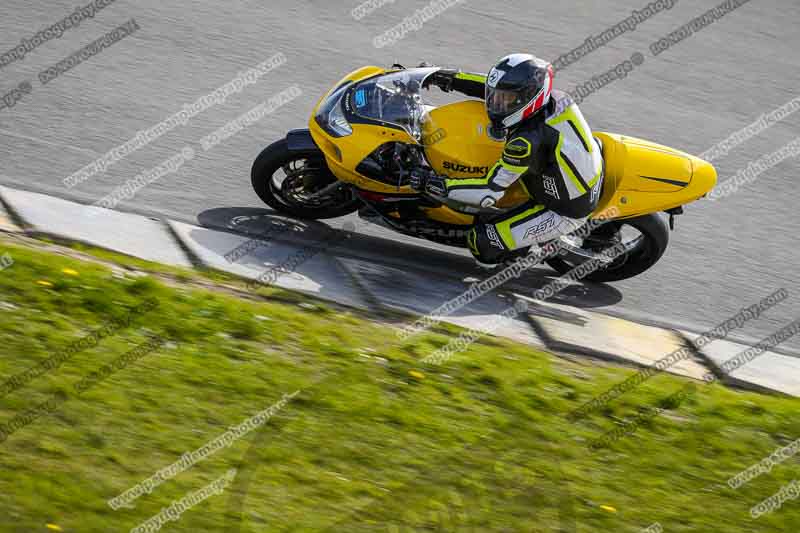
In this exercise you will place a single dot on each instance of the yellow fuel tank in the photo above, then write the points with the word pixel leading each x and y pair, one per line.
pixel 456 140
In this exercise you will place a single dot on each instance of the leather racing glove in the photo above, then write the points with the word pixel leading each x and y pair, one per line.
pixel 426 180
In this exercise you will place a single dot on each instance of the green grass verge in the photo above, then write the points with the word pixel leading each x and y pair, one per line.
pixel 374 441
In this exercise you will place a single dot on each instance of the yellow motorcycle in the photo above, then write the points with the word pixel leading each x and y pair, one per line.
pixel 373 128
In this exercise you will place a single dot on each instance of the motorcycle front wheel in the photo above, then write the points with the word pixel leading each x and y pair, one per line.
pixel 299 184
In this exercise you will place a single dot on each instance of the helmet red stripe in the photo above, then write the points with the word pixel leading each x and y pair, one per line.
pixel 539 101
pixel 534 106
pixel 523 73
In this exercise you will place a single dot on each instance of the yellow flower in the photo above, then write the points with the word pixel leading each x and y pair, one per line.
pixel 416 374
pixel 69 272
pixel 608 508
pixel 54 527
pixel 44 283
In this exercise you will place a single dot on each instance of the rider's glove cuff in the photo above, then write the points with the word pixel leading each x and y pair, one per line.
pixel 436 185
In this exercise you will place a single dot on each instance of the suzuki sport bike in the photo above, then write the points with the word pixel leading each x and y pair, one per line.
pixel 373 129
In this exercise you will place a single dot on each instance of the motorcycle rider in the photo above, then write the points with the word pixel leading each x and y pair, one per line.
pixel 549 148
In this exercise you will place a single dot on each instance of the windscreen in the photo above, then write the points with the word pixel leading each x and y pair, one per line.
pixel 394 98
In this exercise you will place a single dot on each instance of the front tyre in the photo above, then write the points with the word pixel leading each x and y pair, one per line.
pixel 644 240
pixel 299 184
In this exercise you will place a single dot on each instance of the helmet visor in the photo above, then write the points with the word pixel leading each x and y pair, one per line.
pixel 505 102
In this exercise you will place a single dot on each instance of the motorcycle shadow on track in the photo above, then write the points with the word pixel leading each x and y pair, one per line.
pixel 260 223
pixel 433 269
pixel 581 294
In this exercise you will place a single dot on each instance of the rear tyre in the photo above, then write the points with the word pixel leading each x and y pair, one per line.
pixel 291 182
pixel 643 252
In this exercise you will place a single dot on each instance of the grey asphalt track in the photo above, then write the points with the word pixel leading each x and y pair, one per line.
pixel 724 255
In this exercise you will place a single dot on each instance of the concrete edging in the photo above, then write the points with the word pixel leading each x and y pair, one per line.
pixel 317 271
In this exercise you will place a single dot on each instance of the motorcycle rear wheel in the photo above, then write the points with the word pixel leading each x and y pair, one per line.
pixel 307 189
pixel 641 252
